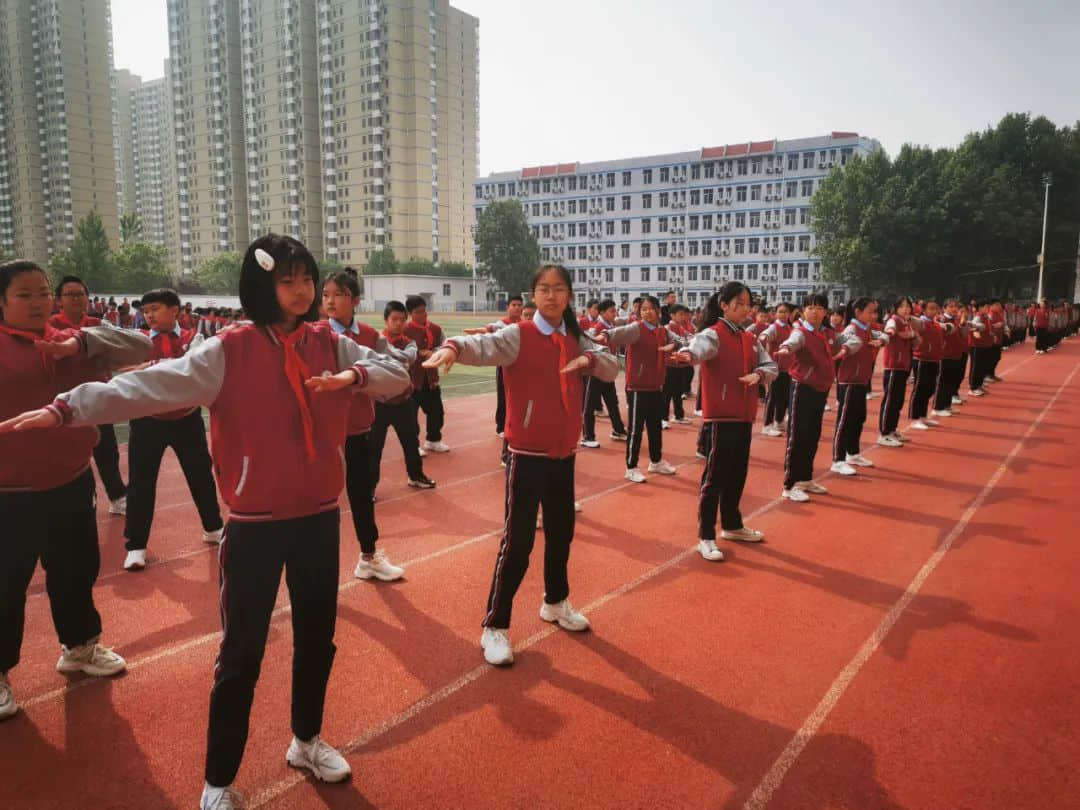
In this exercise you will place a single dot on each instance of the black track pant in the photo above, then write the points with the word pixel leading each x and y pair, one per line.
pixel 674 385
pixel 993 360
pixel 776 401
pixel 429 400
pixel 1041 339
pixel 645 409
pixel 251 558
pixel 595 391
pixel 107 459
pixel 533 482
pixel 926 381
pixel 402 416
pixel 894 387
pixel 360 486
pixel 500 401
pixel 980 360
pixel 59 528
pixel 807 406
pixel 948 385
pixel 146 447
pixel 850 418
pixel 724 476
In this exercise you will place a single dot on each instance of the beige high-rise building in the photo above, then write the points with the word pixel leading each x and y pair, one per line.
pixel 56 123
pixel 125 85
pixel 208 110
pixel 399 121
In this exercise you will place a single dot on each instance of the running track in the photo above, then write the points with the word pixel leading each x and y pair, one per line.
pixel 908 641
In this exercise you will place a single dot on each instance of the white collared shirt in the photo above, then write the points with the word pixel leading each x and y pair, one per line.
pixel 545 327
pixel 175 330
pixel 354 327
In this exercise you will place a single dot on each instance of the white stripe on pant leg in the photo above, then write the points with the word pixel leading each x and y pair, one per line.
pixel 883 417
pixel 504 546
pixel 838 435
pixel 631 413
pixel 793 401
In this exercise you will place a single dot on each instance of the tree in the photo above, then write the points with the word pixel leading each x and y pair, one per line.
pixel 454 269
pixel 140 266
pixel 381 262
pixel 506 247
pixel 220 273
pixel 416 266
pixel 89 256
pixel 131 228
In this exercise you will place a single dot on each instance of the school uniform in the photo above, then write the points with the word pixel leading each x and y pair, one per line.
pixel 954 343
pixel 1041 320
pixel 182 430
pixel 812 373
pixel 852 382
pixel 675 374
pixel 500 392
pixel 278 454
pixel 981 350
pixel 903 337
pixel 725 353
pixel 929 354
pixel 778 391
pixel 543 422
pixel 597 391
pixel 47 506
pixel 997 330
pixel 425 381
pixel 399 412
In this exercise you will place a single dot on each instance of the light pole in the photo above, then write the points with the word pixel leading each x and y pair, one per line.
pixel 1047 180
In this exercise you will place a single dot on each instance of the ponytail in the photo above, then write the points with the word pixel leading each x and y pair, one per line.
pixel 726 294
pixel 853 306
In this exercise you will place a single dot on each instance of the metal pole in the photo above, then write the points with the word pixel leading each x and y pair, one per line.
pixel 474 289
pixel 1042 255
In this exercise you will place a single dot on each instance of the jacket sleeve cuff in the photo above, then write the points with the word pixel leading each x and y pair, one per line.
pixel 451 344
pixel 361 375
pixel 592 359
pixel 62 410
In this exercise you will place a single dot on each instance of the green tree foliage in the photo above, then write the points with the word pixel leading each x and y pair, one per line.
pixel 454 269
pixel 416 266
pixel 140 266
pixel 381 262
pixel 220 273
pixel 506 248
pixel 931 221
pixel 131 227
pixel 89 255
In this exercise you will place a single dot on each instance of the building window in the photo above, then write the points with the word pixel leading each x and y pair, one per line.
pixel 793 162
pixel 624 273
pixel 808 160
pixel 706 272
pixel 446 289
pixel 751 272
pixel 626 178
pixel 646 200
pixel 695 171
pixel 645 274
pixel 752 247
pixel 626 226
pixel 804 216
pixel 804 243
pixel 609 204
pixel 804 271
pixel 755 219
pixel 787 270
pixel 789 244
pixel 755 165
pixel 740 247
pixel 645 248
pixel 609 252
pixel 789 216
pixel 626 202
pixel 740 193
pixel 611 179
pixel 646 225
pixel 665 175
pixel 609 275
pixel 624 250
pixel 663 224
pixel 740 219
pixel 695 197
pixel 741 167
pixel 707 196
pixel 547 209
pixel 609 228
pixel 807 188
pixel 646 176
pixel 661 274
pixel 663 199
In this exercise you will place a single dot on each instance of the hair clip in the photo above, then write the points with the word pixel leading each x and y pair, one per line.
pixel 265 260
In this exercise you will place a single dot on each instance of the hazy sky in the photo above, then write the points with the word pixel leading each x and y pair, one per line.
pixel 566 80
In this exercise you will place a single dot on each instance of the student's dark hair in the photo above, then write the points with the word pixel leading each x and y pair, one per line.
pixel 669 292
pixel 569 317
pixel 258 295
pixel 160 296
pixel 675 310
pixel 393 306
pixel 652 299
pixel 71 280
pixel 606 304
pixel 124 308
pixel 414 302
pixel 9 270
pixel 636 301
pixel 345 280
pixel 726 294
pixel 995 300
pixel 854 305
pixel 785 305
pixel 903 299
pixel 592 302
pixel 514 298
pixel 816 300
pixel 529 305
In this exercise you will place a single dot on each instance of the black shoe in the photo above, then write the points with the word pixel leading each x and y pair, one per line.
pixel 423 482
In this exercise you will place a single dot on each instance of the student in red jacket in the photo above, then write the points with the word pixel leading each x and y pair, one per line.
pixel 981 338
pixel 852 378
pixel 543 360
pixel 183 430
pixel 341 291
pixel 678 374
pixel 814 349
pixel 428 336
pixel 279 397
pixel 776 398
pixel 733 364
pixel 46 488
pixel 1040 319
pixel 513 315
pixel 597 391
pixel 954 349
pixel 903 335
pixel 74 301
pixel 930 354
pixel 648 346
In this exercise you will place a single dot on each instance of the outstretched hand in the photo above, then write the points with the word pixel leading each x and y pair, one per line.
pixel 31 420
pixel 443 358
pixel 753 378
pixel 58 348
pixel 601 338
pixel 783 351
pixel 668 349
pixel 877 344
pixel 478 330
pixel 683 356
pixel 331 382
pixel 579 363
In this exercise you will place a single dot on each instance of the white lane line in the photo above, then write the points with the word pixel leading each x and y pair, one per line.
pixel 773 778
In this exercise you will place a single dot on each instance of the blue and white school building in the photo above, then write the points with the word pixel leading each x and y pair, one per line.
pixel 687 221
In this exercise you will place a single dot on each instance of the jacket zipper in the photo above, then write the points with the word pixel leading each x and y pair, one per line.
pixel 528 414
pixel 243 476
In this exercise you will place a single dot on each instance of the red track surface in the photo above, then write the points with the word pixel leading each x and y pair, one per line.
pixel 908 641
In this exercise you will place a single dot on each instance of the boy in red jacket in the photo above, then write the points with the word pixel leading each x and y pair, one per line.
pixel 428 336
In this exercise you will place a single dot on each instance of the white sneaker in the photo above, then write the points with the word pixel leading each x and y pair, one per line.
pixel 590 443
pixel 708 550
pixel 423 452
pixel 664 425
pixel 1039 351
pixel 564 614
pixel 702 456
pixel 697 413
pixel 811 486
pixel 859 460
pixel 319 758
pixel 931 422
pixel 500 433
pixel 496 644
pixel 828 407
pixel 92 658
pixel 213 538
pixel 577 506
pixel 223 798
pixel 919 424
pixel 119 506
pixel 900 437
pixel 957 401
pixel 135 560
pixel 635 475
pixel 889 441
pixel 378 567
pixel 661 467
pixel 437 447
pixel 618 437
pixel 842 468
pixel 8 706
pixel 945 412
pixel 795 494
pixel 976 392
pixel 772 430
pixel 869 394
pixel 683 421
pixel 744 535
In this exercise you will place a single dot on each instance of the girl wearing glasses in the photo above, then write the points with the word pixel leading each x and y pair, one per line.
pixel 543 360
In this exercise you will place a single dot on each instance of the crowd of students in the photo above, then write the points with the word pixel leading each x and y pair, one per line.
pixel 301 396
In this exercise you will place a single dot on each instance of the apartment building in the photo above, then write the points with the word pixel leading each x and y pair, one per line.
pixel 687 221
pixel 57 159
pixel 125 84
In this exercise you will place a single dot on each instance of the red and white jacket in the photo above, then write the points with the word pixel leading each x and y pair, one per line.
pixel 903 338
pixel 857 366
pixel 646 365
pixel 257 430
pixel 362 410
pixel 931 348
pixel 771 338
pixel 427 337
pixel 39 460
pixel 727 352
pixel 813 350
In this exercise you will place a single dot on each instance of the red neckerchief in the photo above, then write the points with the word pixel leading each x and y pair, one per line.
pixel 297 371
pixel 398 341
pixel 64 318
pixel 47 361
pixel 427 333
pixel 819 332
